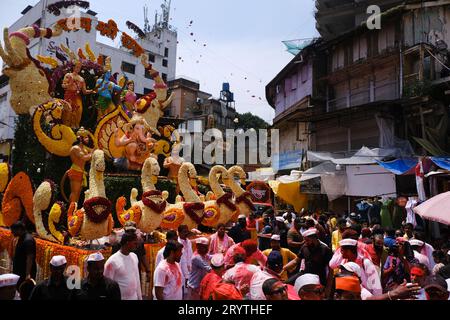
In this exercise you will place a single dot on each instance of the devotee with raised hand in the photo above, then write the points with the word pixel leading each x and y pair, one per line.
pixel 168 278
pixel 123 267
pixel 220 241
pixel 200 268
pixel 273 269
pixel 8 283
pixel 209 282
pixel 96 286
pixel 241 273
pixel 55 287
pixel 308 287
pixel 287 254
pixel 171 235
pixel 274 289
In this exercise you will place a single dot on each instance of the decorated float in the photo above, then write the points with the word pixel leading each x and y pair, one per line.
pixel 124 134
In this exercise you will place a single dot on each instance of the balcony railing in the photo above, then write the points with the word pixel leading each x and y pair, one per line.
pixel 386 91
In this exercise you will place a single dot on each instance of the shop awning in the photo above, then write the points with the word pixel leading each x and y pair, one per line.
pixel 400 166
pixel 442 162
pixel 287 160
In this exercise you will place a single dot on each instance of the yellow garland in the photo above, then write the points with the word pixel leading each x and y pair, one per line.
pixel 54 216
pixel 4 176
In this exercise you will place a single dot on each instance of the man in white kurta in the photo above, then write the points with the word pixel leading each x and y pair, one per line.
pixel 186 258
pixel 123 267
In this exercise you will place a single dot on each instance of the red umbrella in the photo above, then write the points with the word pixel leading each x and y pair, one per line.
pixel 436 209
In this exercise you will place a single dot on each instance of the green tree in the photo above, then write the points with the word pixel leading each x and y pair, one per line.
pixel 248 121
pixel 29 155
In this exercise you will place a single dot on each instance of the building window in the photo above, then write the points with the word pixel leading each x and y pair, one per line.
pixel 147 74
pixel 164 77
pixel 147 90
pixel 165 63
pixel 128 67
pixel 166 52
pixel 4 81
pixel 151 57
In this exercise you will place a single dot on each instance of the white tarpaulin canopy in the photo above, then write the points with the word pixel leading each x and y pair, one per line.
pixel 315 172
pixel 362 156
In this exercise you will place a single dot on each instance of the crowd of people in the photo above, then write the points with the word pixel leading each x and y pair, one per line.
pixel 297 256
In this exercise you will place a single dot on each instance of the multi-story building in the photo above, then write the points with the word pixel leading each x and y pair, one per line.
pixel 160 44
pixel 380 88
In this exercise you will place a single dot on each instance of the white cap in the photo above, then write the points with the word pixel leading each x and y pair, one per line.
pixel 348 242
pixel 58 261
pixel 309 232
pixel 352 267
pixel 242 216
pixel 202 240
pixel 275 237
pixel 415 242
pixel 279 219
pixel 218 260
pixel 95 257
pixel 8 280
pixel 306 279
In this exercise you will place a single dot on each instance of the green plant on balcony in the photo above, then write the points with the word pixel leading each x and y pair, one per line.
pixel 417 88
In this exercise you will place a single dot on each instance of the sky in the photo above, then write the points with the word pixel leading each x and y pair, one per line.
pixel 235 41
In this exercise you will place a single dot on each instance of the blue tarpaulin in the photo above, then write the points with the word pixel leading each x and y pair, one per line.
pixel 441 162
pixel 287 160
pixel 399 166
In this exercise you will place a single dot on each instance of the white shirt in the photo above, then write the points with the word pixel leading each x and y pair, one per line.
pixel 125 271
pixel 422 259
pixel 186 258
pixel 256 291
pixel 365 294
pixel 169 277
pixel 241 274
pixel 428 251
pixel 159 256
